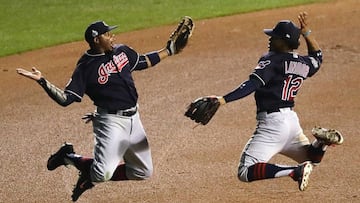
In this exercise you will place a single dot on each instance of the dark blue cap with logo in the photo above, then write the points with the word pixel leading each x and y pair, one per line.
pixel 95 29
pixel 285 30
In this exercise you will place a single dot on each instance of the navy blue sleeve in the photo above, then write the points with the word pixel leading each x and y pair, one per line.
pixel 246 88
pixel 137 61
pixel 77 83
pixel 314 60
pixel 142 63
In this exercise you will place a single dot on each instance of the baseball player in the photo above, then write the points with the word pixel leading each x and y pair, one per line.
pixel 121 150
pixel 276 81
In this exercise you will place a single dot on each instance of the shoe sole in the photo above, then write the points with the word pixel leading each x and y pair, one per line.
pixel 305 176
pixel 325 135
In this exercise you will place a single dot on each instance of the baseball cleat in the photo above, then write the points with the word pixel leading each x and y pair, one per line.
pixel 84 183
pixel 327 136
pixel 58 159
pixel 301 174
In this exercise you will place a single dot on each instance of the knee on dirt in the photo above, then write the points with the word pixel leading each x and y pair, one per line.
pixel 142 174
pixel 131 174
pixel 242 173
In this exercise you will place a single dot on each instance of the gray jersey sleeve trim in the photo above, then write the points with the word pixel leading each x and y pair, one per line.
pixel 258 77
pixel 137 61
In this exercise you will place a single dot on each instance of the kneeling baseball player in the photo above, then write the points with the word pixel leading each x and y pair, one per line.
pixel 276 81
pixel 121 150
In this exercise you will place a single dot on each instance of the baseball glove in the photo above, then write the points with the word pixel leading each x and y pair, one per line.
pixel 180 36
pixel 203 109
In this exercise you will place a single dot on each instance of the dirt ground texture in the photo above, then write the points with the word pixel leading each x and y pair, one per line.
pixel 191 165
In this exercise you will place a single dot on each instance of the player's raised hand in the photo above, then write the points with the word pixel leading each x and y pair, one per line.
pixel 35 74
pixel 302 17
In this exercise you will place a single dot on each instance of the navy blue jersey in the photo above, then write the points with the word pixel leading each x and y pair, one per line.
pixel 282 75
pixel 106 78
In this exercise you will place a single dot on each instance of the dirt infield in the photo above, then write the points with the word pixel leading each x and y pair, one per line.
pixel 191 165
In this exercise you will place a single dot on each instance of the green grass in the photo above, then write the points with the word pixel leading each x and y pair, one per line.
pixel 33 24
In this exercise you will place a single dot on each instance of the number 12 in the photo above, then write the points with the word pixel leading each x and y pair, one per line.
pixel 291 85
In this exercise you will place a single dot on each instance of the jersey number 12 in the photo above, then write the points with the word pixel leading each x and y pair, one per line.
pixel 291 85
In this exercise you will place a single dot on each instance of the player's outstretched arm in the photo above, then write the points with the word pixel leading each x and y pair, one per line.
pixel 58 95
pixel 155 57
pixel 311 43
pixel 35 74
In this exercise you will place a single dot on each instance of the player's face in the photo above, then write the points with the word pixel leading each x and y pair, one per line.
pixel 106 41
pixel 276 44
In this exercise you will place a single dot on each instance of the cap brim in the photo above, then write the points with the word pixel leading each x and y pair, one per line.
pixel 269 32
pixel 112 27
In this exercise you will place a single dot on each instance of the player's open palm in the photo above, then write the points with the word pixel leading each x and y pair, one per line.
pixel 303 21
pixel 34 74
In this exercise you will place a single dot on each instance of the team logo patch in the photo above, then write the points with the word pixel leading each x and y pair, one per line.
pixel 314 62
pixel 262 64
pixel 105 70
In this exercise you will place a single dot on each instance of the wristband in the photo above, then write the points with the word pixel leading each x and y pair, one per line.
pixel 153 57
pixel 307 33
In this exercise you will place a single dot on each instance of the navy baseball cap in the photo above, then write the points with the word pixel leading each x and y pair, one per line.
pixel 285 30
pixel 95 29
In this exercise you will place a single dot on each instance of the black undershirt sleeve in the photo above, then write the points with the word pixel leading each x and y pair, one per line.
pixel 58 95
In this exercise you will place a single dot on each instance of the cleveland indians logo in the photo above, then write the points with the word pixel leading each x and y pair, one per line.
pixel 105 70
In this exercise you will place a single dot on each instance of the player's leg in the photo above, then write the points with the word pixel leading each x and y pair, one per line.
pixel 271 136
pixel 298 144
pixel 138 161
pixel 111 141
pixel 138 158
pixel 109 138
pixel 268 140
pixel 111 134
pixel 297 147
pixel 259 170
pixel 300 149
pixel 65 156
pixel 255 166
pixel 323 138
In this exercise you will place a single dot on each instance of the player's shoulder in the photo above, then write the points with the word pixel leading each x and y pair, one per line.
pixel 268 54
pixel 275 55
pixel 87 58
pixel 279 57
pixel 269 58
pixel 124 48
pixel 121 47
